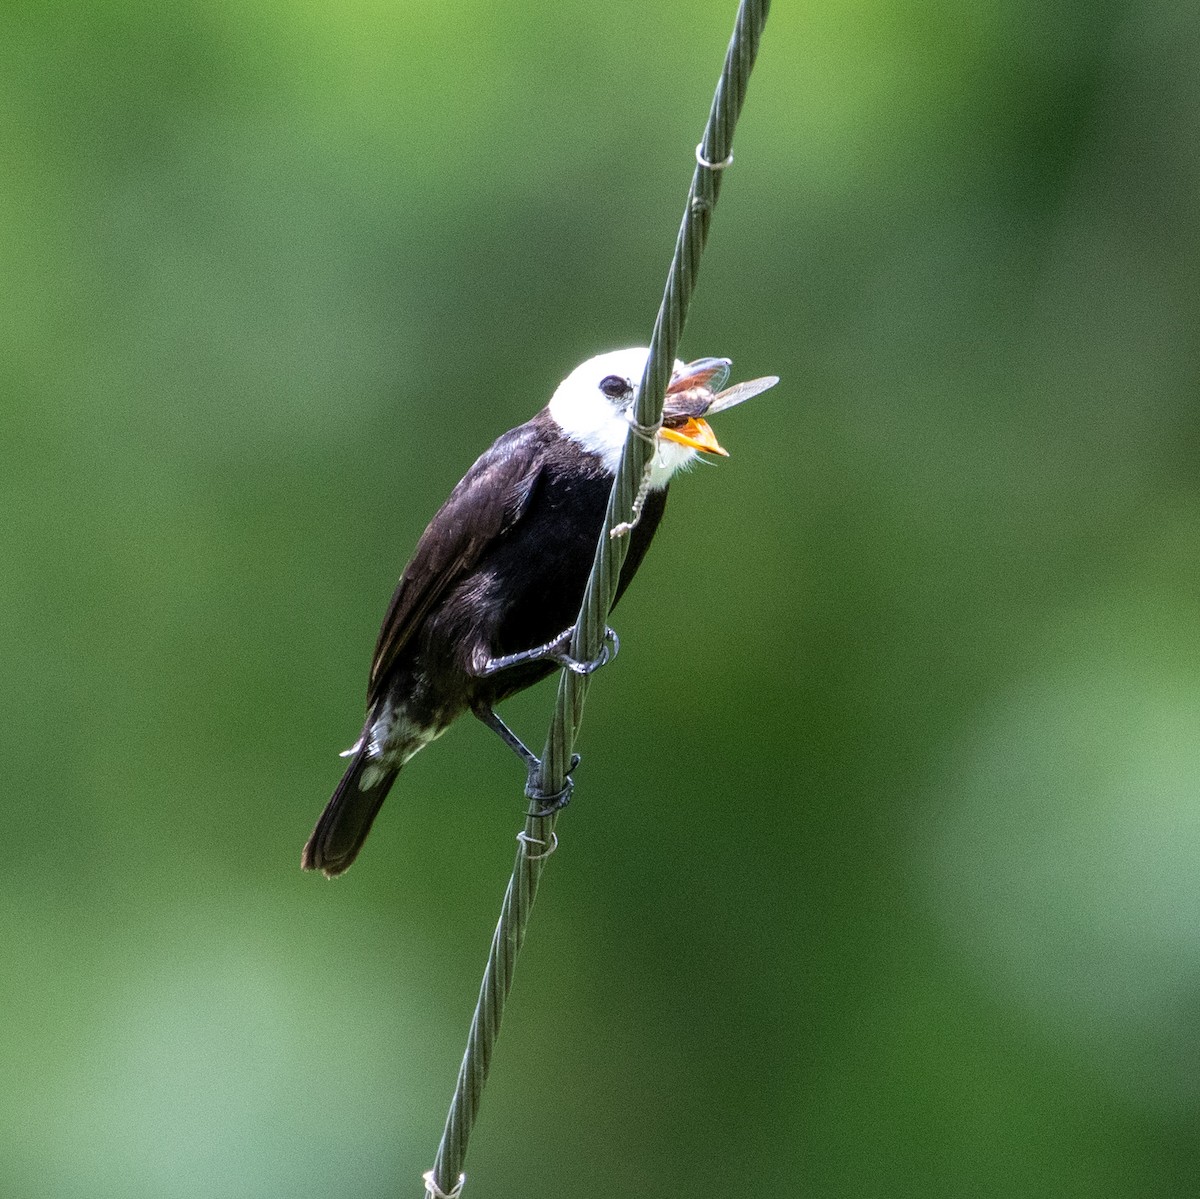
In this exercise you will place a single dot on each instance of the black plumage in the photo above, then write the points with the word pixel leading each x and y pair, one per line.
pixel 500 568
pixel 486 605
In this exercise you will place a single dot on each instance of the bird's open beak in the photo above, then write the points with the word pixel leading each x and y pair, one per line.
pixel 708 374
pixel 697 434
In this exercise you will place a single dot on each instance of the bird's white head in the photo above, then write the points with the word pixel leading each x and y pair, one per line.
pixel 596 402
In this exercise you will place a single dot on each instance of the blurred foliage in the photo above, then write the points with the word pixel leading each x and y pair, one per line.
pixel 881 878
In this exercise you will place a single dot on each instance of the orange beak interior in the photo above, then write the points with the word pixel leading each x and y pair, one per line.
pixel 698 435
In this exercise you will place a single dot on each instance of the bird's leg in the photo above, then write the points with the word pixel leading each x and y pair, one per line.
pixel 532 763
pixel 493 721
pixel 556 651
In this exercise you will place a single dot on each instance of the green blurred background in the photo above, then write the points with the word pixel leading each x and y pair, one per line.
pixel 881 878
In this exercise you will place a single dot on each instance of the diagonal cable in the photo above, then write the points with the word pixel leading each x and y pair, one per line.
pixel 538 840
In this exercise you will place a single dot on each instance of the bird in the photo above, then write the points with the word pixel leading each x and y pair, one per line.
pixel 486 605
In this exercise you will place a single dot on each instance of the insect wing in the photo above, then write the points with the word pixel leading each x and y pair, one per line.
pixel 709 374
pixel 739 393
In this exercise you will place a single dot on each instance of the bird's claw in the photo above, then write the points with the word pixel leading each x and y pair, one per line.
pixel 549 803
pixel 608 651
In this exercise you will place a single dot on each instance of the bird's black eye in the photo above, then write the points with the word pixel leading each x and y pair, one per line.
pixel 615 387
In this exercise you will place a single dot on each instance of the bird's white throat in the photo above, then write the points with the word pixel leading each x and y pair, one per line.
pixel 599 424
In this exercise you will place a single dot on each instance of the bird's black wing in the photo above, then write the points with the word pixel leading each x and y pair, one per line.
pixel 487 502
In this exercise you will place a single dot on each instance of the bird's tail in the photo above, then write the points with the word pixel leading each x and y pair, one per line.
pixel 347 819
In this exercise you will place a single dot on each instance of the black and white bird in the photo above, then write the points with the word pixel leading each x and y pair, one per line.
pixel 486 606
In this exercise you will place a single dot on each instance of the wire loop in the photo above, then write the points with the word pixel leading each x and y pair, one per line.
pixel 435 1192
pixel 647 433
pixel 712 166
pixel 527 840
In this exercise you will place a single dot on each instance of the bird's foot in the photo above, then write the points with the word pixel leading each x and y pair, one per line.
pixel 555 650
pixel 608 651
pixel 554 801
pixel 533 765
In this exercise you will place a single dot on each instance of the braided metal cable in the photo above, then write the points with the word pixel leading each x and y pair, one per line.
pixel 712 155
pixel 716 148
